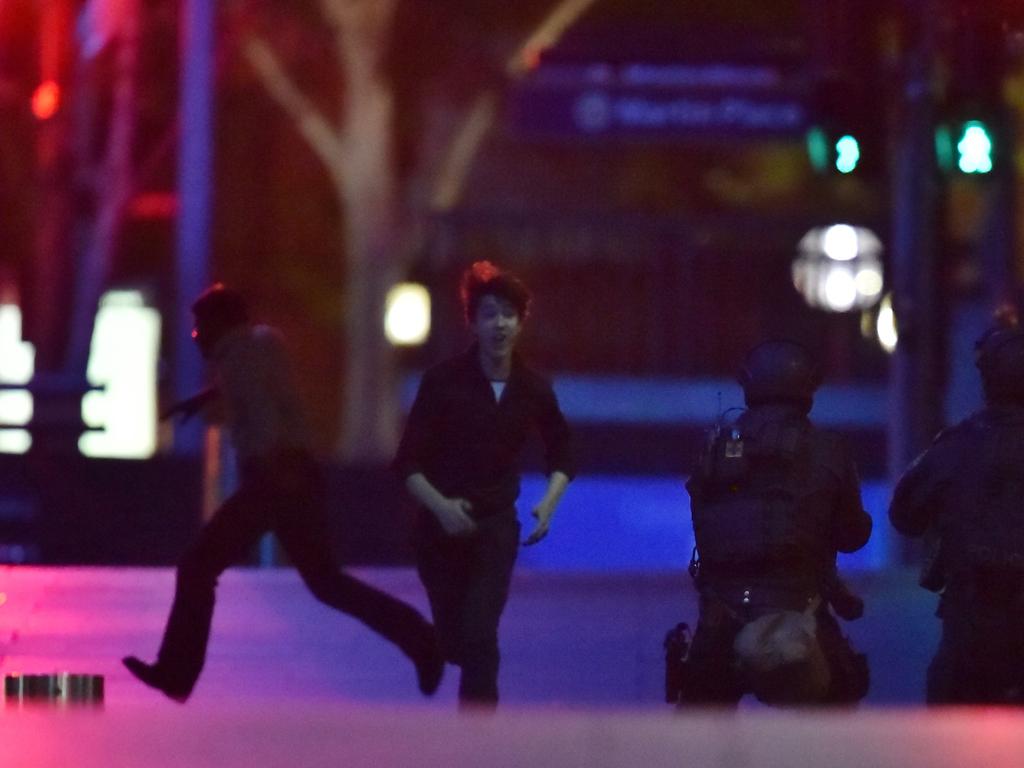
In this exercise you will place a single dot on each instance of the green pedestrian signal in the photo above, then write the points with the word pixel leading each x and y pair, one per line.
pixel 840 154
pixel 974 148
pixel 847 154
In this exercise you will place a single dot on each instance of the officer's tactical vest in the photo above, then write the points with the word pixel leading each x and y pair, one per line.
pixel 749 495
pixel 984 525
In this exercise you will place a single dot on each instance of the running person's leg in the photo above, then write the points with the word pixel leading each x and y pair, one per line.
pixel 226 539
pixel 494 551
pixel 302 528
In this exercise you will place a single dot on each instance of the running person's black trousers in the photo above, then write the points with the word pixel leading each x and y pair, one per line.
pixel 286 497
pixel 467 580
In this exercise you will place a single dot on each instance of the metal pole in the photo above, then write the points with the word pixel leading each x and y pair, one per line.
pixel 915 383
pixel 195 171
pixel 998 242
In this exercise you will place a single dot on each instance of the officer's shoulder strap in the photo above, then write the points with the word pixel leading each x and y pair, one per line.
pixel 974 425
pixel 785 439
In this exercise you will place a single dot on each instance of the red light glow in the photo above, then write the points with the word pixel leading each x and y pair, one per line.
pixel 46 100
pixel 531 58
pixel 154 205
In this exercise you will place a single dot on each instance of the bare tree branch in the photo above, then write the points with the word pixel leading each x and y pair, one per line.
pixel 462 151
pixel 562 16
pixel 361 29
pixel 470 136
pixel 317 129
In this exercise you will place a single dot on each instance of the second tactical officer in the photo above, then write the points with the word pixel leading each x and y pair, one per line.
pixel 773 499
pixel 965 495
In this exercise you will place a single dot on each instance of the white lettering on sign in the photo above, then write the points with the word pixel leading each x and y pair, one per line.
pixel 638 112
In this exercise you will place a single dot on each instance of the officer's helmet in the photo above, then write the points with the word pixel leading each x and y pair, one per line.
pixel 779 371
pixel 999 355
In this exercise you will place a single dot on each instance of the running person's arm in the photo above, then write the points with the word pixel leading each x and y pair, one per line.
pixel 190 406
pixel 452 514
pixel 420 430
pixel 545 508
pixel 554 431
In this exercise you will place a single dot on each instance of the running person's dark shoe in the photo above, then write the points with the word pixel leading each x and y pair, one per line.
pixel 151 675
pixel 429 665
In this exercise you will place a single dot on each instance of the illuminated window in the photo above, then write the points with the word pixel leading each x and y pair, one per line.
pixel 17 364
pixel 122 359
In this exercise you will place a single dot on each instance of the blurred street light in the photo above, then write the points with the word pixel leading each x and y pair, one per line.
pixel 46 100
pixel 838 268
pixel 407 315
pixel 885 326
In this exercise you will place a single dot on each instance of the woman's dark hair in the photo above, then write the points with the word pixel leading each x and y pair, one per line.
pixel 482 279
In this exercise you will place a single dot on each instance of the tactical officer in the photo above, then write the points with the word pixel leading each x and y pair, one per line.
pixel 965 495
pixel 773 499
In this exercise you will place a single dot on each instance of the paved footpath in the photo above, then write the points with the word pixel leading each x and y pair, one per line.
pixel 290 682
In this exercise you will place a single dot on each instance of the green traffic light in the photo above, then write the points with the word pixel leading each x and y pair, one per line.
pixel 847 154
pixel 817 149
pixel 842 154
pixel 974 148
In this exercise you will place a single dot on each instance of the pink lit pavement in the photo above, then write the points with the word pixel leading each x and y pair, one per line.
pixel 288 682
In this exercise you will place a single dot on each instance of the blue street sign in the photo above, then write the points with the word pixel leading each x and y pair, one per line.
pixel 604 102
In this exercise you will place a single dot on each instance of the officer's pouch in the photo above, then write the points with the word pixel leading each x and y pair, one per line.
pixel 851 675
pixel 677 654
pixel 781 657
pixel 933 567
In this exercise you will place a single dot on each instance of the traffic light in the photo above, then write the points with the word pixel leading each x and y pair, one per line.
pixel 968 146
pixel 974 147
pixel 832 151
pixel 978 61
pixel 847 153
pixel 847 137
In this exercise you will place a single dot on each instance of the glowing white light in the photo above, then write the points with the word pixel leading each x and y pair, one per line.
pixel 885 326
pixel 839 268
pixel 840 242
pixel 840 290
pixel 869 281
pixel 17 364
pixel 16 406
pixel 123 358
pixel 407 314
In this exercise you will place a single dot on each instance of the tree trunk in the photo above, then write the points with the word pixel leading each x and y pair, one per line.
pixel 357 152
pixel 365 181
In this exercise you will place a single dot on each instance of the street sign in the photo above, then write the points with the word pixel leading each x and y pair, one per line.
pixel 657 102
